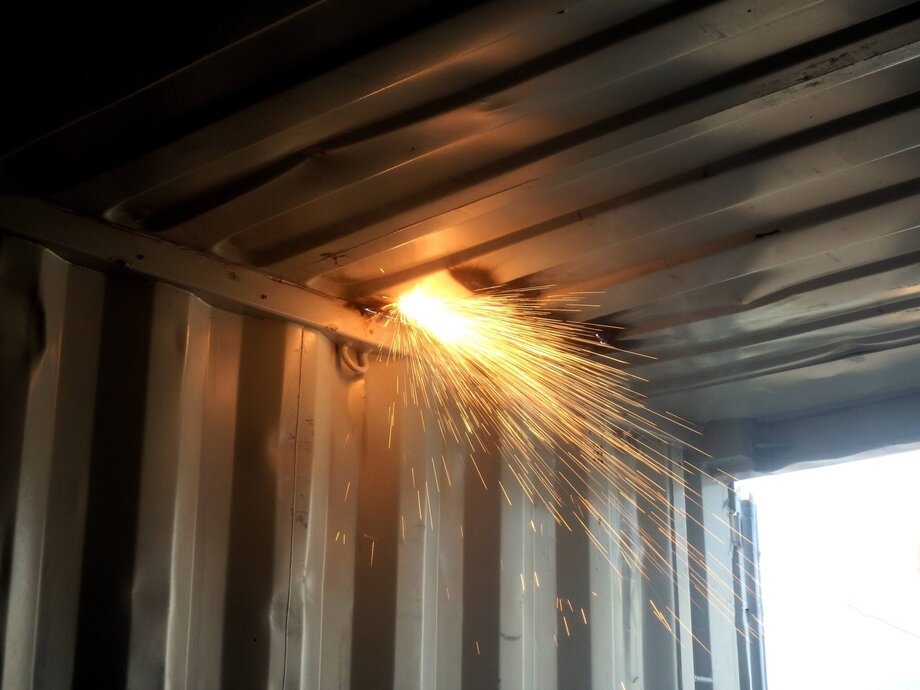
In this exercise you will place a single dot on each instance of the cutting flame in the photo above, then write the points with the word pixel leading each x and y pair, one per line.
pixel 427 310
pixel 500 368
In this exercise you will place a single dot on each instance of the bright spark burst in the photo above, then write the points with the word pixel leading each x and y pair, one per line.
pixel 500 368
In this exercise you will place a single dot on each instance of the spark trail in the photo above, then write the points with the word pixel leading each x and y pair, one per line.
pixel 500 367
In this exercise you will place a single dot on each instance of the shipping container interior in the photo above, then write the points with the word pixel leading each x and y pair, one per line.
pixel 207 478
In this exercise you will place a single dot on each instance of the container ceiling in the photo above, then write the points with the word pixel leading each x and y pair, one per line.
pixel 738 181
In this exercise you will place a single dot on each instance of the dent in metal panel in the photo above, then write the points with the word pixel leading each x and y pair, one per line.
pixel 174 401
pixel 322 579
pixel 258 558
pixel 47 524
pixel 195 333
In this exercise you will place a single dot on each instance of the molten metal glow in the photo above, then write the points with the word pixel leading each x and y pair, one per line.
pixel 499 369
pixel 432 312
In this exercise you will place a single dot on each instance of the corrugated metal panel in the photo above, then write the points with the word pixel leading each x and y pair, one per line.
pixel 737 179
pixel 196 499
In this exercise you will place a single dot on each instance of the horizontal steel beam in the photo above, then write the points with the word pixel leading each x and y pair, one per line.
pixel 751 447
pixel 106 248
pixel 876 426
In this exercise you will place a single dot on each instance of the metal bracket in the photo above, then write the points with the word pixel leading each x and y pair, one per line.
pixel 105 247
pixel 354 358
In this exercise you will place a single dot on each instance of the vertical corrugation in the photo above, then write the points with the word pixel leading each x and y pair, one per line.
pixel 573 586
pixel 447 661
pixel 528 571
pixel 198 499
pixel 51 504
pixel 152 596
pixel 329 445
pixel 376 538
pixel 107 586
pixel 253 501
pixel 285 624
pixel 190 415
pixel 482 569
pixel 419 528
pixel 22 339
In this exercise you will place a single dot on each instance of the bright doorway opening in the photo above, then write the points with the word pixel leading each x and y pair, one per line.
pixel 840 574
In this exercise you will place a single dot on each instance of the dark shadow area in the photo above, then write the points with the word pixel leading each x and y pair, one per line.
pixel 104 622
pixel 376 546
pixel 179 67
pixel 699 604
pixel 22 341
pixel 573 585
pixel 481 572
pixel 251 552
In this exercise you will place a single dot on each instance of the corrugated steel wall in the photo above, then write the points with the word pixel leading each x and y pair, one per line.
pixel 197 499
